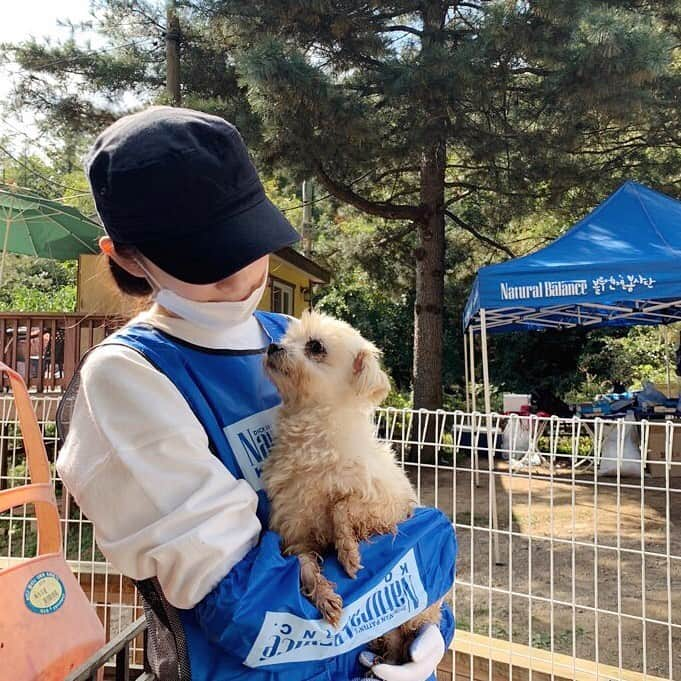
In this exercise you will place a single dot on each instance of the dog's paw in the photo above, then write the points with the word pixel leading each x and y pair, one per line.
pixel 349 558
pixel 351 563
pixel 321 592
pixel 352 566
pixel 331 608
pixel 392 647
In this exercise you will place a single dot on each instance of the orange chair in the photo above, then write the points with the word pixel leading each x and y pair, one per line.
pixel 47 625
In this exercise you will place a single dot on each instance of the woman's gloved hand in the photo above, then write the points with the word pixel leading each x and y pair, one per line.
pixel 426 651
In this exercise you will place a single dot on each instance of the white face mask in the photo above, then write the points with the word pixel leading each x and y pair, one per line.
pixel 208 315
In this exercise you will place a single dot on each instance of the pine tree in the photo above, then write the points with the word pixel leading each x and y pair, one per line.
pixel 431 115
pixel 473 111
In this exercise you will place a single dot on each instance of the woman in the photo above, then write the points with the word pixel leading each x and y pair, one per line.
pixel 169 421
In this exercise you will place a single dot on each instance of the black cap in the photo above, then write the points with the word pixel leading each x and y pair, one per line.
pixel 179 185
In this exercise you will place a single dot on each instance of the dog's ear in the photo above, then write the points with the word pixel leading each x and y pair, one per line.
pixel 369 379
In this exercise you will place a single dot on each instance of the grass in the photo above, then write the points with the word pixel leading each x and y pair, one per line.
pixel 562 640
pixel 564 445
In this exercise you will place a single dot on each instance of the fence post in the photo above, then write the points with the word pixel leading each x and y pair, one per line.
pixel 70 353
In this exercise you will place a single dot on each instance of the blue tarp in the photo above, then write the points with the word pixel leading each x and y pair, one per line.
pixel 620 265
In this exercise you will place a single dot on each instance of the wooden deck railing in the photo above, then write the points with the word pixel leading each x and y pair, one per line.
pixel 45 348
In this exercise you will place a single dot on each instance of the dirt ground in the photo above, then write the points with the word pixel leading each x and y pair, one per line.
pixel 559 541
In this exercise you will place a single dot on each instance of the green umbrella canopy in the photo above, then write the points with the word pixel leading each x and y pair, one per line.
pixel 31 225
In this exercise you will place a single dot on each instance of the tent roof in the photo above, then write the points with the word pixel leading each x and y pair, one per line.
pixel 620 265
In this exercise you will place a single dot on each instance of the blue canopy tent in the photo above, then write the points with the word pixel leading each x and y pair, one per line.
pixel 618 266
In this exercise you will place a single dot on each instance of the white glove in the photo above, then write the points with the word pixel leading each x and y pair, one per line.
pixel 427 650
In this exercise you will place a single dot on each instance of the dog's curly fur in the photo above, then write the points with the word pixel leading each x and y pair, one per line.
pixel 330 482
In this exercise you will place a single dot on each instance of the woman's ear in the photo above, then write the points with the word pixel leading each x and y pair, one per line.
pixel 106 245
pixel 370 380
pixel 129 264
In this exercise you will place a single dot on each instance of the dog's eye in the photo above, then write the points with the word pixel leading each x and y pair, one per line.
pixel 315 348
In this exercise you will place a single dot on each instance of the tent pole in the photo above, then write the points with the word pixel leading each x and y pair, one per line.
pixel 474 406
pixel 666 357
pixel 8 222
pixel 490 438
pixel 471 355
pixel 465 368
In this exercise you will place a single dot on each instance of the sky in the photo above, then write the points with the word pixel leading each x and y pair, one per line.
pixel 23 19
pixel 38 18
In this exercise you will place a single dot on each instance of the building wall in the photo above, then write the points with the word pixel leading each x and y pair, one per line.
pixel 97 292
pixel 288 274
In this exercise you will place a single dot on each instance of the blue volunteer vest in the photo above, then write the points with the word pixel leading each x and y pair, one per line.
pixel 255 624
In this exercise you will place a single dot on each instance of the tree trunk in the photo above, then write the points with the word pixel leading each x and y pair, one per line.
pixel 430 264
pixel 430 254
pixel 173 54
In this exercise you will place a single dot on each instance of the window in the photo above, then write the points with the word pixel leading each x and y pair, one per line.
pixel 282 297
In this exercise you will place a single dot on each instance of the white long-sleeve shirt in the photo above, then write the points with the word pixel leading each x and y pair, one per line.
pixel 137 462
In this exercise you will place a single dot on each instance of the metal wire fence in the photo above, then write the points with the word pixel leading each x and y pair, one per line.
pixel 569 561
pixel 113 595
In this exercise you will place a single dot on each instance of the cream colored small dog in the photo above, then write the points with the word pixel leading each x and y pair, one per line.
pixel 330 482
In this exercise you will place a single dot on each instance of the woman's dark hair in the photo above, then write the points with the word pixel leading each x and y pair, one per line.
pixel 126 282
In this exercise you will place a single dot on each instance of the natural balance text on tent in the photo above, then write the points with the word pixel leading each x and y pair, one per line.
pixel 576 288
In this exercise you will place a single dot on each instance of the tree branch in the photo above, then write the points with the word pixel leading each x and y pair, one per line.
pixel 383 209
pixel 457 198
pixel 402 29
pixel 397 236
pixel 403 11
pixel 145 13
pixel 404 192
pixel 478 235
pixel 469 5
pixel 396 171
pixel 535 71
pixel 485 188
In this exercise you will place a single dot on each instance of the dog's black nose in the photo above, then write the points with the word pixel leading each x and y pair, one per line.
pixel 272 348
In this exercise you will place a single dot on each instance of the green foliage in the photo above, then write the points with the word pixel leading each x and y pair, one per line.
pixel 578 365
pixel 18 474
pixel 398 400
pixel 520 362
pixel 26 299
pixel 564 446
pixel 629 357
pixel 545 108
pixel 379 316
pixel 38 285
pixel 19 538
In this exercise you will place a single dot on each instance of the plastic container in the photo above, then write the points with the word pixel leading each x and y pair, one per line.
pixel 514 403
